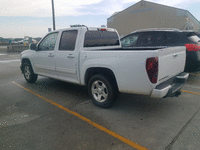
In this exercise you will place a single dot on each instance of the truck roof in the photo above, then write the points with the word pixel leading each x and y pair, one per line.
pixel 76 27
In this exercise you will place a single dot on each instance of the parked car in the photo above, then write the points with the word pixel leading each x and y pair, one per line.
pixel 94 57
pixel 160 38
pixel 193 51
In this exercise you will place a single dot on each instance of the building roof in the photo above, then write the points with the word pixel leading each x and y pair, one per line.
pixel 115 13
pixel 142 1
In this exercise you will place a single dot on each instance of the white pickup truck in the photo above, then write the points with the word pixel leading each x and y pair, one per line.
pixel 94 57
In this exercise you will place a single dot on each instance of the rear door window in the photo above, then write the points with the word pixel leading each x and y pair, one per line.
pixel 175 39
pixel 151 39
pixel 68 40
pixel 100 38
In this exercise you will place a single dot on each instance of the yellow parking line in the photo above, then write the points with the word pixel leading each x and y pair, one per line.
pixel 196 93
pixel 121 138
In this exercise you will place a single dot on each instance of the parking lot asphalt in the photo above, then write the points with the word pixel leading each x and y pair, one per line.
pixel 51 115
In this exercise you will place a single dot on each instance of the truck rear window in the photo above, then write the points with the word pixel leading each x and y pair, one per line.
pixel 100 38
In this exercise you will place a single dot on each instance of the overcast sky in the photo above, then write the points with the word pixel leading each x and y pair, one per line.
pixel 19 18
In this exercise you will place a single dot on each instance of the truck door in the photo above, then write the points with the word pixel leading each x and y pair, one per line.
pixel 44 56
pixel 66 57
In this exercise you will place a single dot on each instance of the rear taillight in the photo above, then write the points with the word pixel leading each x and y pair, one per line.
pixel 192 47
pixel 152 69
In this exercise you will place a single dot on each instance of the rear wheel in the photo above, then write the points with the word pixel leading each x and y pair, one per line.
pixel 29 75
pixel 102 92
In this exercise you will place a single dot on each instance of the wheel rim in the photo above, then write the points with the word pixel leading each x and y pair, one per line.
pixel 27 72
pixel 99 91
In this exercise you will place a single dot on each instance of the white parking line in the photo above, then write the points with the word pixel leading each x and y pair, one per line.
pixel 3 54
pixel 8 61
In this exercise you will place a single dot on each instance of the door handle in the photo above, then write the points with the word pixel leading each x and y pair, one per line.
pixel 51 55
pixel 175 55
pixel 70 56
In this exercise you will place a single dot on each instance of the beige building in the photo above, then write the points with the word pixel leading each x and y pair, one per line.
pixel 151 15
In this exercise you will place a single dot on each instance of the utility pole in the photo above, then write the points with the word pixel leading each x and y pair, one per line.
pixel 53 16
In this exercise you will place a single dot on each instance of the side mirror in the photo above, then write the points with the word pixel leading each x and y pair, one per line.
pixel 32 47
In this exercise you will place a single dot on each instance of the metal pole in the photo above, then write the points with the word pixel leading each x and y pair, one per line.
pixel 53 15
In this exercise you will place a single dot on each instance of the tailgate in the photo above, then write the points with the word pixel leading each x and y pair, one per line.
pixel 171 62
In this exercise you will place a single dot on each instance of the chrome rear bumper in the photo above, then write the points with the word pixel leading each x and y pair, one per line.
pixel 171 87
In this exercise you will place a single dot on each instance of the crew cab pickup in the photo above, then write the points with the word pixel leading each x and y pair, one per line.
pixel 94 57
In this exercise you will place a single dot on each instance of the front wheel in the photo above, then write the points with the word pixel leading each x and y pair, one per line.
pixel 29 75
pixel 102 92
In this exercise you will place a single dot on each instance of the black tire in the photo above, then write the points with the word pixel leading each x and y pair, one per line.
pixel 29 75
pixel 102 91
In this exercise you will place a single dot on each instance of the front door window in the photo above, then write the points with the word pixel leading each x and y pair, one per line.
pixel 48 43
